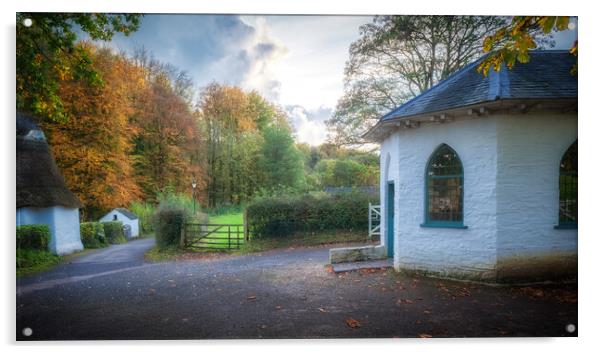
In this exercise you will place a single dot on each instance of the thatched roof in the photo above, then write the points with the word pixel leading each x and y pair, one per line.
pixel 39 181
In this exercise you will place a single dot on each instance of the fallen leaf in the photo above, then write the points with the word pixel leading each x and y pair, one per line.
pixel 353 323
pixel 252 297
pixel 322 310
pixel 427 312
pixel 425 335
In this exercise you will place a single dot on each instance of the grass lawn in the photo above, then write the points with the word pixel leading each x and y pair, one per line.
pixel 226 219
pixel 34 261
pixel 219 240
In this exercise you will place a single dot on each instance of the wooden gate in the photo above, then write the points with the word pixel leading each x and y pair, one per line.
pixel 213 236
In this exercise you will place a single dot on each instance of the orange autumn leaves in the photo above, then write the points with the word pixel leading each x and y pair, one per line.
pixel 125 139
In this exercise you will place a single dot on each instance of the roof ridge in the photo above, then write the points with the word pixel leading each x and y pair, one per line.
pixel 441 82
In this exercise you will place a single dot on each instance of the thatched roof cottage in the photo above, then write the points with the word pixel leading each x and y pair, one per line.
pixel 42 197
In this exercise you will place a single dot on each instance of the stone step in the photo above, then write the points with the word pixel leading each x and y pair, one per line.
pixel 354 266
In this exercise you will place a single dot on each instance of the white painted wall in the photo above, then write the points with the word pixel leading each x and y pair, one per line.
pixel 63 223
pixel 134 224
pixel 510 192
pixel 530 148
pixel 450 252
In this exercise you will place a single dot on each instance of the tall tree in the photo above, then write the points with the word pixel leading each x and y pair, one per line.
pixel 47 53
pixel 225 115
pixel 280 159
pixel 397 58
pixel 93 147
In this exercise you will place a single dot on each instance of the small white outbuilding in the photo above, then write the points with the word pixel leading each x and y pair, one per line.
pixel 42 197
pixel 126 217
pixel 478 175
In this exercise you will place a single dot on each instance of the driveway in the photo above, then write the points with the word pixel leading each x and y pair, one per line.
pixel 113 294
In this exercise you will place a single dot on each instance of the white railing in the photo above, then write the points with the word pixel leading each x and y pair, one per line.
pixel 373 220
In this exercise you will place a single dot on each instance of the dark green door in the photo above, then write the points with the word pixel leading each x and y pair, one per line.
pixel 390 217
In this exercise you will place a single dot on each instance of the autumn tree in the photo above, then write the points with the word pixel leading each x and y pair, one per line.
pixel 397 58
pixel 47 54
pixel 166 144
pixel 512 42
pixel 92 146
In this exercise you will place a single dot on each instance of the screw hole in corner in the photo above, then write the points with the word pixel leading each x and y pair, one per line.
pixel 27 331
pixel 570 328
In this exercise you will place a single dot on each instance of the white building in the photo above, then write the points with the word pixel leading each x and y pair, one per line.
pixel 479 174
pixel 126 217
pixel 42 197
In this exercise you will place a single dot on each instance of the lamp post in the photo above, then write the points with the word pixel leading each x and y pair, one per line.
pixel 193 196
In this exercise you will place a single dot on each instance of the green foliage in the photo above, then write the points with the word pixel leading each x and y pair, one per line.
pixel 114 232
pixel 33 260
pixel 184 202
pixel 33 237
pixel 145 212
pixel 286 216
pixel 93 234
pixel 46 53
pixel 169 220
pixel 280 160
pixel 512 42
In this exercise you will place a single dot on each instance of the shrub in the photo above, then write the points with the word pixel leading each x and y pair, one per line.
pixel 114 232
pixel 284 216
pixel 29 260
pixel 145 212
pixel 33 237
pixel 93 234
pixel 169 221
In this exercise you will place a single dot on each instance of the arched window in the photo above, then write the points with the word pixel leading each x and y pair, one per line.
pixel 567 208
pixel 444 189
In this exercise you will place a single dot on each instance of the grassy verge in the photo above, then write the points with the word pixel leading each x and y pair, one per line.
pixel 319 239
pixel 33 261
pixel 333 238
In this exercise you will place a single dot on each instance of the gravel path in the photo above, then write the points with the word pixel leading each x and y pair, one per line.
pixel 113 294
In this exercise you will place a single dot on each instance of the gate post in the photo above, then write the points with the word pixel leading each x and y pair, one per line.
pixel 245 228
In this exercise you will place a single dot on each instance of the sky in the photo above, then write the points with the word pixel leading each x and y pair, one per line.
pixel 296 62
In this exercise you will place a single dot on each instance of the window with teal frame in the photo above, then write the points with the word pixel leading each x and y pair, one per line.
pixel 444 184
pixel 567 207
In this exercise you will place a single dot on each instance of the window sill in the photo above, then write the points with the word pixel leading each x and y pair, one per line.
pixel 444 225
pixel 566 227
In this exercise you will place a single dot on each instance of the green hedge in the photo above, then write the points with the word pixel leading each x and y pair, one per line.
pixel 33 237
pixel 169 220
pixel 114 232
pixel 285 216
pixel 93 235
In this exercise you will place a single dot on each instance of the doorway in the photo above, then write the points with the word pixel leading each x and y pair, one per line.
pixel 390 217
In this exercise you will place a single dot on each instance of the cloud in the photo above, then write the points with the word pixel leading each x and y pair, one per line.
pixel 263 51
pixel 309 125
pixel 223 48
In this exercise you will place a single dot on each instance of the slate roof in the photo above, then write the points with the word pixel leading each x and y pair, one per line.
pixel 545 76
pixel 127 213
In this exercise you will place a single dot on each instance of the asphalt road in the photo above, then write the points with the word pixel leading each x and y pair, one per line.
pixel 113 294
